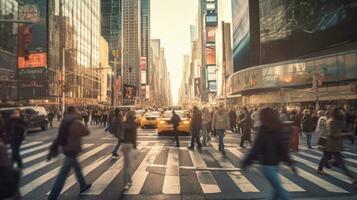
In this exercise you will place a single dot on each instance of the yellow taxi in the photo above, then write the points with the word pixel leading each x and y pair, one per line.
pixel 138 116
pixel 164 124
pixel 149 119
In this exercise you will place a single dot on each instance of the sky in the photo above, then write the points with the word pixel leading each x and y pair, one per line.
pixel 170 22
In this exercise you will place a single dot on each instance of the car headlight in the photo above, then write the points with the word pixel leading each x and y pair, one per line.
pixel 186 122
pixel 162 122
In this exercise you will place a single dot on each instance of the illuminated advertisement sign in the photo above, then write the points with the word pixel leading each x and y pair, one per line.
pixel 143 63
pixel 211 19
pixel 212 86
pixel 38 73
pixel 210 34
pixel 33 60
pixel 143 77
pixel 210 55
pixel 211 73
pixel 129 91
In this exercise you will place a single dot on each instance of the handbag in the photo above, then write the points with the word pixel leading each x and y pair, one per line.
pixel 322 141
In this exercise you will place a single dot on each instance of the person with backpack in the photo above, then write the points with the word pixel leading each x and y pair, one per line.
pixel 220 123
pixel 175 120
pixel 128 137
pixel 115 129
pixel 15 132
pixel 270 148
pixel 69 139
pixel 307 126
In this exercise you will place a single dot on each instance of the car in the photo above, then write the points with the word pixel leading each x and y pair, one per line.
pixel 149 119
pixel 138 116
pixel 164 124
pixel 34 116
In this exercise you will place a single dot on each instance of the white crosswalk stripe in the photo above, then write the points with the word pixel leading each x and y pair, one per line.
pixel 172 181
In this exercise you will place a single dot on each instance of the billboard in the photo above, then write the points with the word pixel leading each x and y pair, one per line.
pixel 143 63
pixel 210 54
pixel 210 34
pixel 320 24
pixel 129 91
pixel 241 34
pixel 143 78
pixel 212 86
pixel 211 19
pixel 33 60
pixel 211 73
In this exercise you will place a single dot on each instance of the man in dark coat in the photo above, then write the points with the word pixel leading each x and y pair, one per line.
pixel 175 120
pixel 196 125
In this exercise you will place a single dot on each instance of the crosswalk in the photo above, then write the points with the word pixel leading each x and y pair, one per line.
pixel 168 167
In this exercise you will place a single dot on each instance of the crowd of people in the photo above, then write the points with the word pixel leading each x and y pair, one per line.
pixel 271 128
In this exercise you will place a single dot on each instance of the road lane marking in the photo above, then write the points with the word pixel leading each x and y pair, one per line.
pixel 237 177
pixel 30 144
pixel 205 178
pixel 314 166
pixel 53 173
pixel 172 174
pixel 141 173
pixel 34 157
pixel 28 151
pixel 287 184
pixel 45 163
pixel 351 168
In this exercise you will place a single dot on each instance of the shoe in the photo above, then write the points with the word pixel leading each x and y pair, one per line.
pixel 127 186
pixel 223 153
pixel 321 172
pixel 115 155
pixel 85 188
pixel 191 148
pixel 177 145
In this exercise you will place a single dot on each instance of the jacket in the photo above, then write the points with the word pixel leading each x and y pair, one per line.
pixel 175 120
pixel 15 130
pixel 335 139
pixel 271 147
pixel 206 117
pixel 321 127
pixel 196 122
pixel 307 124
pixel 129 132
pixel 220 120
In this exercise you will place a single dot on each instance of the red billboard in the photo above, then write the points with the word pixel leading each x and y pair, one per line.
pixel 33 60
pixel 143 63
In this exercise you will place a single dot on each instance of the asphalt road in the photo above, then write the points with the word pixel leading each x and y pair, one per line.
pixel 162 171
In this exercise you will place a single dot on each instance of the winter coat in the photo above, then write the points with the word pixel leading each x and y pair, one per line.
pixel 220 120
pixel 196 122
pixel 4 157
pixel 271 147
pixel 15 130
pixel 246 123
pixel 206 117
pixel 307 124
pixel 335 139
pixel 321 127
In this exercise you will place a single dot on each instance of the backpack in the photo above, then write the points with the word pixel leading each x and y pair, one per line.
pixel 63 131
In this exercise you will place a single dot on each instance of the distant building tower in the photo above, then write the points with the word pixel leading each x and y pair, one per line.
pixel 131 44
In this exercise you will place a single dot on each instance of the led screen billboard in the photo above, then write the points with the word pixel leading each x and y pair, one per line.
pixel 210 34
pixel 211 19
pixel 129 91
pixel 293 29
pixel 210 54
pixel 241 34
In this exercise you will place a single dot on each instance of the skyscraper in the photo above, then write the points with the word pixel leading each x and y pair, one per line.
pixel 131 43
pixel 145 44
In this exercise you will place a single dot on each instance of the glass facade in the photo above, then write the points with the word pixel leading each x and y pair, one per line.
pixel 75 27
pixel 8 31
pixel 334 68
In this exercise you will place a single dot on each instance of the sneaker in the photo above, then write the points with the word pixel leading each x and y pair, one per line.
pixel 321 172
pixel 190 148
pixel 127 186
pixel 115 155
pixel 85 188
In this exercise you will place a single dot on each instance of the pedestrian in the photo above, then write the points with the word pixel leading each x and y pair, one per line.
pixel 92 121
pixel 10 177
pixel 246 124
pixel 175 120
pixel 196 125
pixel 307 126
pixel 85 116
pixel 255 119
pixel 50 117
pixel 321 128
pixel 15 132
pixel 232 120
pixel 334 145
pixel 284 115
pixel 270 148
pixel 115 128
pixel 69 139
pixel 59 115
pixel 104 118
pixel 206 126
pixel 220 123
pixel 129 133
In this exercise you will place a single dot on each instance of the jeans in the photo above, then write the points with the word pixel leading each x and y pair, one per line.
pixel 308 138
pixel 116 148
pixel 69 161
pixel 127 160
pixel 15 153
pixel 176 135
pixel 338 159
pixel 220 133
pixel 271 173
pixel 195 137
pixel 205 134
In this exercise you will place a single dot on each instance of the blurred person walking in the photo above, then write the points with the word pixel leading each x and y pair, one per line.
pixel 270 148
pixel 220 123
pixel 307 126
pixel 175 120
pixel 50 117
pixel 196 125
pixel 115 128
pixel 69 139
pixel 85 116
pixel 129 134
pixel 256 121
pixel 232 120
pixel 206 126
pixel 246 124
pixel 334 144
pixel 15 132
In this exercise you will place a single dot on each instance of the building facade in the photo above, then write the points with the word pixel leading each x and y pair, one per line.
pixel 131 50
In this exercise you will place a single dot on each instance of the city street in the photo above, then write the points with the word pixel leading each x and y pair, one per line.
pixel 162 171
